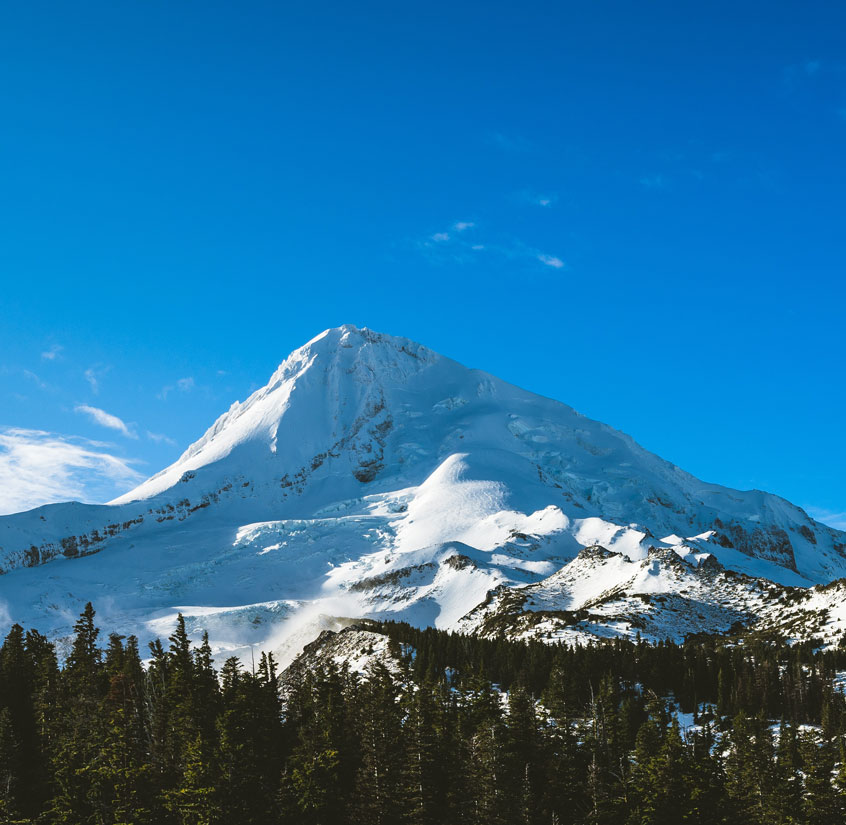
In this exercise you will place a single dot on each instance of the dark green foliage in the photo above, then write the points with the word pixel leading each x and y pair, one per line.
pixel 582 736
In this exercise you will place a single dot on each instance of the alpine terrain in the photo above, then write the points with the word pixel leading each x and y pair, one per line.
pixel 374 478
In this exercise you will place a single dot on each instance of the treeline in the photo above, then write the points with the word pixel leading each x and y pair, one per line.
pixel 455 730
pixel 755 675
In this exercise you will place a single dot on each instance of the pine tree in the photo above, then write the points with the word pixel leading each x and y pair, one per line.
pixel 314 768
pixel 10 790
pixel 81 730
pixel 17 687
pixel 786 799
pixel 378 718
pixel 195 800
pixel 83 672
pixel 522 756
pixel 485 736
pixel 250 733
pixel 750 769
pixel 820 806
pixel 707 799
pixel 430 752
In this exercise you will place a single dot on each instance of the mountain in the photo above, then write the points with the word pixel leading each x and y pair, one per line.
pixel 373 477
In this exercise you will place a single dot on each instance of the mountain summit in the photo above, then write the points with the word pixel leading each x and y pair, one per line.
pixel 372 476
pixel 326 401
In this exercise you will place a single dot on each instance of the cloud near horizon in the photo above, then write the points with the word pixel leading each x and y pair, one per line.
pixel 38 467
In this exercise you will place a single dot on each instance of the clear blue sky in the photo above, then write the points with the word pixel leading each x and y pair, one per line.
pixel 636 208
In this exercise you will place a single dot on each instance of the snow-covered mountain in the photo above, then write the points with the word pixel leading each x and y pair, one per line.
pixel 372 476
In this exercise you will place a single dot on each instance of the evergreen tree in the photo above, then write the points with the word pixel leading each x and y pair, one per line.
pixel 522 756
pixel 378 715
pixel 750 769
pixel 10 790
pixel 786 800
pixel 196 800
pixel 821 807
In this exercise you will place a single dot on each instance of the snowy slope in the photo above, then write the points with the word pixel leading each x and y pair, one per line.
pixel 601 594
pixel 372 476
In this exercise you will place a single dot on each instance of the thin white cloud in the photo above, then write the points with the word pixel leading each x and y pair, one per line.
pixel 53 353
pixel 93 375
pixel 105 419
pixel 159 438
pixel 551 260
pixel 829 517
pixel 653 181
pixel 39 467
pixel 543 199
pixel 453 247
pixel 183 385
pixel 458 227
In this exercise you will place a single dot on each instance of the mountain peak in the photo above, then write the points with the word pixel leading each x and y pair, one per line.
pixel 348 345
pixel 347 483
pixel 355 413
pixel 323 390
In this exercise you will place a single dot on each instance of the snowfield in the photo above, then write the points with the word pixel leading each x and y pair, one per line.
pixel 374 477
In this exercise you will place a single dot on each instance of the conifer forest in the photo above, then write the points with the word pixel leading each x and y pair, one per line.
pixel 454 729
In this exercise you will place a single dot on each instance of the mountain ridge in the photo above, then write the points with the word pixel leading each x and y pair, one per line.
pixel 367 455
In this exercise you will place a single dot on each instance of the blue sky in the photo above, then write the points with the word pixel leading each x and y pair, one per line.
pixel 635 208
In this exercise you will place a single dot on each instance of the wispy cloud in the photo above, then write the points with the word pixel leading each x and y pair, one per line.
pixel 183 385
pixel 456 229
pixel 39 467
pixel 53 353
pixel 93 376
pixel 543 199
pixel 30 375
pixel 105 419
pixel 159 438
pixel 551 260
pixel 460 245
pixel 829 517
